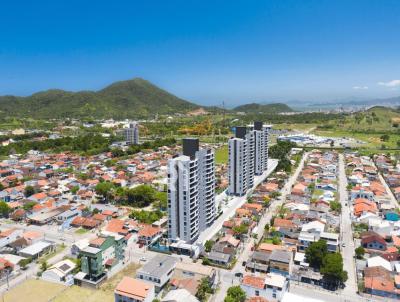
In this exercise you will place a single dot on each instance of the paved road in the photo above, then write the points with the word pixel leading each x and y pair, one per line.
pixel 227 278
pixel 395 203
pixel 346 233
pixel 50 233
pixel 233 204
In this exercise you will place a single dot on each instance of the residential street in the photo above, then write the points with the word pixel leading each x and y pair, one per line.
pixel 227 278
pixel 346 233
pixel 233 204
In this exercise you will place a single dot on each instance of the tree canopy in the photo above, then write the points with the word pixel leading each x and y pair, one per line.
pixel 235 294
pixel 316 252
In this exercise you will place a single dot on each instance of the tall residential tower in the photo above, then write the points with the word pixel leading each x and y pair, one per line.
pixel 248 156
pixel 132 134
pixel 191 192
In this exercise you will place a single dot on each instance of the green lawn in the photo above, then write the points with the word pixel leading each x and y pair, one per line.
pixel 81 231
pixel 59 249
pixel 372 141
pixel 221 155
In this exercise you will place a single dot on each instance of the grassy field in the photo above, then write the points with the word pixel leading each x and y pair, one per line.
pixel 104 294
pixel 42 291
pixel 221 155
pixel 34 291
pixel 81 231
pixel 298 127
pixel 372 141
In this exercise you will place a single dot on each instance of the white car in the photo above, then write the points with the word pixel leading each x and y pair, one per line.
pixel 143 258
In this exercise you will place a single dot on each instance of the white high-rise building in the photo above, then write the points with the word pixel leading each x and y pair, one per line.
pixel 266 130
pixel 240 169
pixel 248 156
pixel 259 147
pixel 191 192
pixel 132 134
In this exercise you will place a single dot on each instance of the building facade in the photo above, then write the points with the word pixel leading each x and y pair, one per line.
pixel 191 192
pixel 132 134
pixel 248 156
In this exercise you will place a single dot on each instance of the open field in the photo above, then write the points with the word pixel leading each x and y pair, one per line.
pixel 221 155
pixel 372 141
pixel 104 294
pixel 43 291
pixel 299 127
pixel 33 290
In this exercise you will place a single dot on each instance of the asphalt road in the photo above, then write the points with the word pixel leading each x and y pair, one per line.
pixel 227 278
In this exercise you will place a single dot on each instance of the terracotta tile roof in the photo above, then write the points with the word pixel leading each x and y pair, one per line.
pixel 284 223
pixel 97 241
pixel 133 288
pixel 253 281
pixel 269 247
pixel 386 285
pixel 116 226
pixel 148 231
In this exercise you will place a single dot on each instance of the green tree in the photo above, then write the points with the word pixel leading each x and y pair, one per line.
pixel 29 205
pixel 74 189
pixel 316 252
pixel 208 245
pixel 385 137
pixel 241 229
pixel 204 289
pixel 336 206
pixel 332 268
pixel 360 251
pixel 43 266
pixel 104 189
pixel 29 191
pixel 4 209
pixel 146 216
pixel 235 294
pixel 275 195
pixel 141 196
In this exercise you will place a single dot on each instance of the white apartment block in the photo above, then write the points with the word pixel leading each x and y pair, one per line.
pixel 248 156
pixel 132 134
pixel 191 192
pixel 240 170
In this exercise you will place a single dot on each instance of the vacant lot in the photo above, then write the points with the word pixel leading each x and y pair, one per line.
pixel 104 294
pixel 42 291
pixel 34 291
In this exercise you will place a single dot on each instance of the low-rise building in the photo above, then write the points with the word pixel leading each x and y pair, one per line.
pixel 157 271
pixel 133 290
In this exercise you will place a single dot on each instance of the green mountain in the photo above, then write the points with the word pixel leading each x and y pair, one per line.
pixel 126 99
pixel 263 108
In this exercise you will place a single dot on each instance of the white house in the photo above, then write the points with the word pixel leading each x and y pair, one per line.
pixel 59 272
pixel 271 287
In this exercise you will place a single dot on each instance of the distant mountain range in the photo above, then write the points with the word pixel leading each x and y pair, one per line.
pixel 263 108
pixel 125 99
pixel 347 103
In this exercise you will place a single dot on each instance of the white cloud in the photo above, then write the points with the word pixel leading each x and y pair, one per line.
pixel 360 87
pixel 394 83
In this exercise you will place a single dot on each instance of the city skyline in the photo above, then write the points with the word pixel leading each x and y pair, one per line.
pixel 236 53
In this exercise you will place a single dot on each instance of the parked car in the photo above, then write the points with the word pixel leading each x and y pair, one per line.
pixel 239 275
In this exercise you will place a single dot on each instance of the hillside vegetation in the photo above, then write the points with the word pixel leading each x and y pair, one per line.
pixel 125 99
pixel 375 119
pixel 263 108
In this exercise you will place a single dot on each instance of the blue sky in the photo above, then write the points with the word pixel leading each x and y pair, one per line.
pixel 205 51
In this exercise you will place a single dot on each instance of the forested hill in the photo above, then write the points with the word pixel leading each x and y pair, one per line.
pixel 263 108
pixel 126 99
